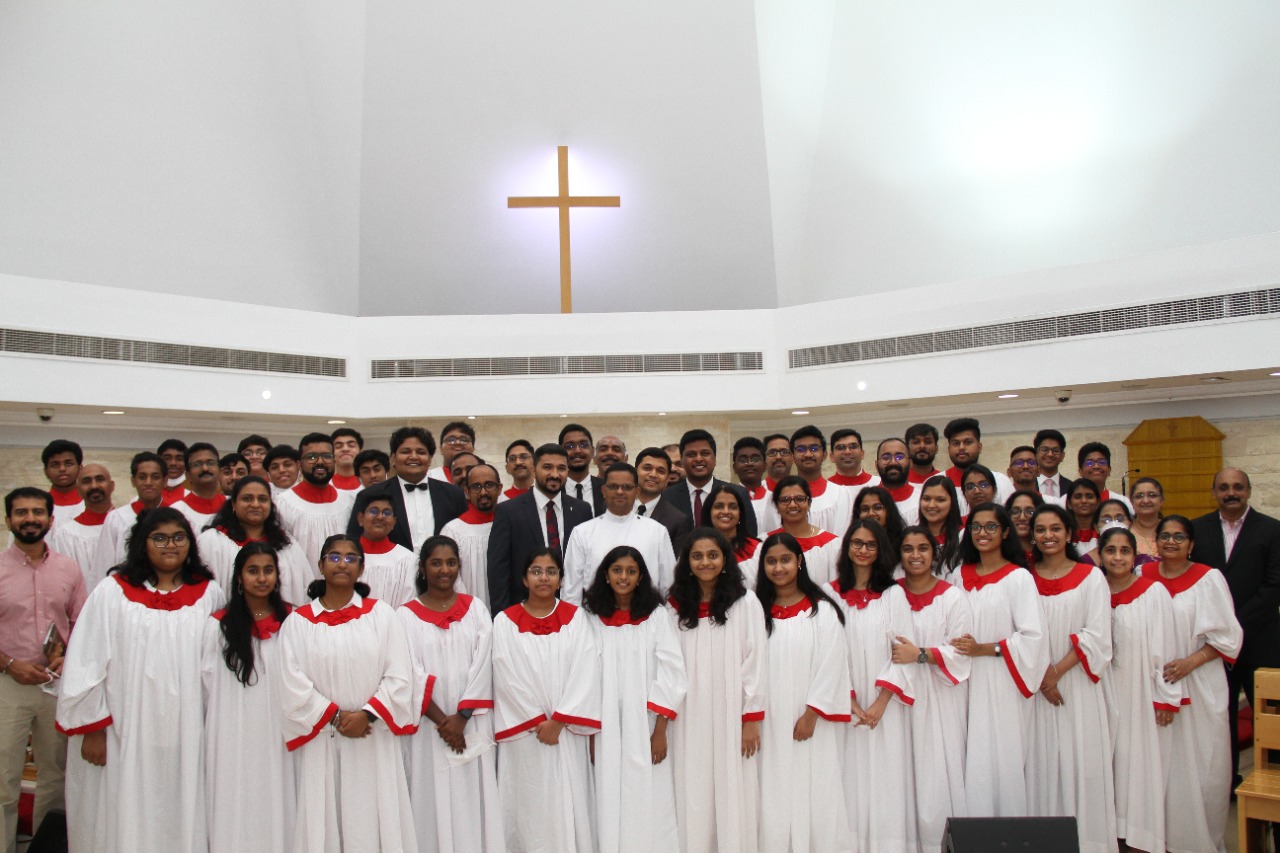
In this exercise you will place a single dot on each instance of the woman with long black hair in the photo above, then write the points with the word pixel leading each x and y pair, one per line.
pixel 249 516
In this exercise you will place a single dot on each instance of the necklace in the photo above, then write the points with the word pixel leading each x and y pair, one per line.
pixel 262 614
pixel 442 608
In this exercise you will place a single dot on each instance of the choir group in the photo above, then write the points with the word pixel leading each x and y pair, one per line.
pixel 382 656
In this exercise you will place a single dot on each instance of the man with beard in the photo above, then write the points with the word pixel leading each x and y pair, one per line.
pixel 314 510
pixel 39 589
pixel 147 475
pixel 652 470
pixel 231 469
pixel 519 458
pixel 675 465
pixel 282 463
pixel 1024 471
pixel 461 464
pixel 347 444
pixel 893 463
pixel 610 449
pixel 777 459
pixel 922 447
pixel 964 447
pixel 204 499
pixel 62 460
pixel 471 529
pixel 619 525
pixel 174 453
pixel 748 467
pixel 456 437
pixel 542 517
pixel 698 451
pixel 577 443
pixel 1245 545
pixel 78 537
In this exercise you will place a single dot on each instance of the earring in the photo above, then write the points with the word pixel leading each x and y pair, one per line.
pixel 239 588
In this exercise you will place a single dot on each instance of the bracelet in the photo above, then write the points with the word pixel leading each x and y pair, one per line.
pixel 7 665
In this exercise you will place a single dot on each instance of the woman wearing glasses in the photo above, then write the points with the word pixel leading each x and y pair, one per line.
pixel 1009 654
pixel 821 547
pixel 1205 629
pixel 978 485
pixel 1147 496
pixel 131 697
pixel 346 693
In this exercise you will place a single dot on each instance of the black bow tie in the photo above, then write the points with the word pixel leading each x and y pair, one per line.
pixel 409 487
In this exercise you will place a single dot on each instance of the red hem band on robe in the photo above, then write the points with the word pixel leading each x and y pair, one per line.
pixel 896 691
pixel 381 710
pixel 1165 706
pixel 753 717
pixel 1084 660
pixel 1026 692
pixel 661 711
pixel 831 718
pixel 442 619
pixel 942 665
pixel 84 730
pixel 506 734
pixel 568 720
pixel 426 696
pixel 473 704
pixel 325 717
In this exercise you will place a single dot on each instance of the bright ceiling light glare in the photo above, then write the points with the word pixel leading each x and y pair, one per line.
pixel 471 417
pixel 113 411
pixel 662 414
pixel 335 422
pixel 861 386
pixel 1028 133
pixel 1275 373
pixel 800 412
pixel 266 394
pixel 1006 396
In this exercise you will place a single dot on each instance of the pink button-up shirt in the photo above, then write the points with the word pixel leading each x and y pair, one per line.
pixel 32 597
pixel 1231 532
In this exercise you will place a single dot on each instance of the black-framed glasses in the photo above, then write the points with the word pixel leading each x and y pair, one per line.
pixel 161 540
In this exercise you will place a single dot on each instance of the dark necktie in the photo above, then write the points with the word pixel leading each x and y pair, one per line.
pixel 642 509
pixel 553 528
pixel 409 487
pixel 580 492
pixel 697 507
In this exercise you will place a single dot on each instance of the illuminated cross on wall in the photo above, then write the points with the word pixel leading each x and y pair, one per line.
pixel 564 201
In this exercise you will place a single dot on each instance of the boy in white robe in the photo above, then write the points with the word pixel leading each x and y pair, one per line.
pixel 389 568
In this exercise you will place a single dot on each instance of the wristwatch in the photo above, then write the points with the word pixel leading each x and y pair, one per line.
pixel 373 718
pixel 465 713
pixel 924 656
pixel 999 652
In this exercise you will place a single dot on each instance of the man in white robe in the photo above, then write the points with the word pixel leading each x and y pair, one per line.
pixel 964 447
pixel 204 499
pixel 78 537
pixel 347 445
pixel 313 510
pixel 62 460
pixel 519 458
pixel 894 465
pixel 456 437
pixel 619 525
pixel 748 466
pixel 147 474
pixel 831 506
pixel 471 529
pixel 174 453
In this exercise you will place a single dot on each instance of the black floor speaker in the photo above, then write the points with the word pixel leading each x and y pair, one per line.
pixel 1008 834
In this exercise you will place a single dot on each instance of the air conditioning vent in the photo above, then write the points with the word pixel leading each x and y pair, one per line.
pixel 588 365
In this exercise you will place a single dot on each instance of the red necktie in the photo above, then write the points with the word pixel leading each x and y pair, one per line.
pixel 553 528
pixel 697 507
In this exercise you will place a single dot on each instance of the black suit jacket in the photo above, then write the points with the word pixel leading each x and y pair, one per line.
pixel 447 503
pixel 678 524
pixel 517 533
pixel 1253 574
pixel 597 493
pixel 678 495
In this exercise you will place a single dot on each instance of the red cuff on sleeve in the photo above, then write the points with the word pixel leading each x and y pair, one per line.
pixel 753 717
pixel 426 695
pixel 84 730
pixel 1165 706
pixel 831 718
pixel 476 704
pixel 1013 671
pixel 1084 660
pixel 575 721
pixel 325 717
pixel 896 691
pixel 942 665
pixel 658 709
pixel 507 734
pixel 381 710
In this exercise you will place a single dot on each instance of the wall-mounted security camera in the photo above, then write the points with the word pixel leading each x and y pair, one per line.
pixel 1063 395
pixel 45 415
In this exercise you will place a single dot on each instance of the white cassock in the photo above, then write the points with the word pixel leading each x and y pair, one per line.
pixel 249 774
pixel 1142 633
pixel 346 484
pixel 456 808
pixel 218 551
pixel 1069 769
pixel 748 557
pixel 1199 793
pixel 133 668
pixel 471 531
pixel 311 515
pixel 543 669
pixel 643 676
pixel 440 473
pixel 907 499
pixel 939 701
pixel 820 555
pixel 352 793
pixel 830 507
pixel 803 802
pixel 717 790
pixel 78 539
pixel 761 504
pixel 590 542
pixel 1004 487
pixel 113 544
pixel 66 505
pixel 389 570
pixel 1006 609
pixel 199 511
pixel 877 783
pixel 846 489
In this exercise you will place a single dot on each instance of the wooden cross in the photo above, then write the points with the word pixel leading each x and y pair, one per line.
pixel 564 201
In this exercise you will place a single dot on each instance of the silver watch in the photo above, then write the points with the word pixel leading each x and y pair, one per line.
pixel 924 656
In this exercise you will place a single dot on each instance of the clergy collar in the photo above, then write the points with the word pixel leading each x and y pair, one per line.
pixel 619 519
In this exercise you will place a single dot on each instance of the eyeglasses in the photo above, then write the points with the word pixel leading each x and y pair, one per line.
pixel 845 446
pixel 1173 537
pixel 793 499
pixel 160 540
pixel 777 452
pixel 1049 450
pixel 374 512
pixel 580 445
pixel 1020 511
pixel 1118 518
pixel 892 457
pixel 807 448
pixel 539 572
pixel 519 457
pixel 859 545
pixel 619 487
pixel 1023 463
pixel 980 486
pixel 313 458
pixel 753 459
pixel 1146 496
pixel 876 507
pixel 989 527
pixel 488 486
pixel 196 465
pixel 1096 463
pixel 455 440
pixel 257 453
pixel 335 559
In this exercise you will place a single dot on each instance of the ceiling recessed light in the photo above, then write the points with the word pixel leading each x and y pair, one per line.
pixel 862 386
pixel 800 412
pixel 564 416
pixel 1005 396
pixel 662 414
pixel 335 422
pixel 1215 379
pixel 471 417
pixel 266 395
pixel 113 411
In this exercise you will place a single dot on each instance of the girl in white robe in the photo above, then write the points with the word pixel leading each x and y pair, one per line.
pixel 808 707
pixel 1009 655
pixel 1069 767
pixel 716 738
pixel 131 701
pixel 643 689
pixel 345 692
pixel 546 685
pixel 249 516
pixel 792 498
pixel 926 613
pixel 249 773
pixel 1141 702
pixel 877 750
pixel 1205 628
pixel 451 763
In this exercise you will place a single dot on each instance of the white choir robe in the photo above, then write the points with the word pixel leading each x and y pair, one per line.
pixel 66 505
pixel 881 799
pixel 440 473
pixel 748 557
pixel 594 539
pixel 311 515
pixel 249 774
pixel 803 806
pixel 820 555
pixel 471 531
pixel 830 508
pixel 346 484
pixel 907 499
pixel 390 571
pixel 78 539
pixel 1004 488
pixel 352 792
pixel 199 511
pixel 1199 794
pixel 846 489
pixel 547 668
pixel 761 504
pixel 1069 769
pixel 114 542
pixel 939 701
pixel 218 551
pixel 1006 609
pixel 643 676
pixel 133 669
pixel 456 808
pixel 1142 633
pixel 717 790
